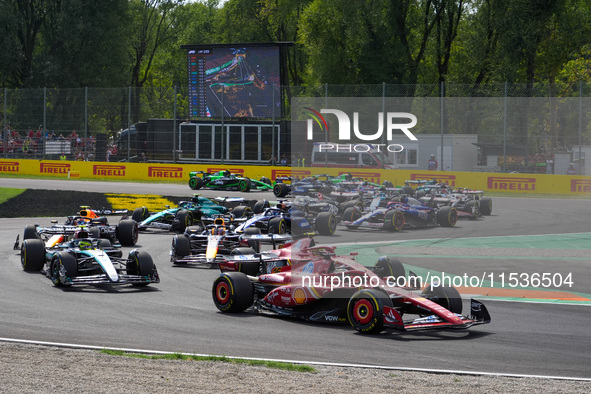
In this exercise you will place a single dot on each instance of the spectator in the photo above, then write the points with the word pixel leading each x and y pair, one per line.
pixel 571 169
pixel 549 165
pixel 283 160
pixel 273 161
pixel 432 164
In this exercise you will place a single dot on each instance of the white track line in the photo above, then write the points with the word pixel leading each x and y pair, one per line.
pixel 427 370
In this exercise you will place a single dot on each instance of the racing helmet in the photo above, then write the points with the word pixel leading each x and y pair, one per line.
pixel 220 231
pixel 85 245
pixel 81 233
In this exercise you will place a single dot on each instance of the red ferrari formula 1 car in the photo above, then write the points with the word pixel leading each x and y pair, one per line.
pixel 316 285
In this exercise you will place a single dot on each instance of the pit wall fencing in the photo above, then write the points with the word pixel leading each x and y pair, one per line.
pixel 498 182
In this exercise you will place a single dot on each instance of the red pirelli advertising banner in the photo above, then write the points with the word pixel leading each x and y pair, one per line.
pixel 179 173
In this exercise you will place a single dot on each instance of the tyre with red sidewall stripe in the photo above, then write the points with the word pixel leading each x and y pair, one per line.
pixel 232 292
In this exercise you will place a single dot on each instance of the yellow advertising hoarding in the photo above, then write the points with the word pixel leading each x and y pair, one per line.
pixel 175 172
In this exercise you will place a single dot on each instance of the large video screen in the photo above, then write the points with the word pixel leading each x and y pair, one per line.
pixel 234 81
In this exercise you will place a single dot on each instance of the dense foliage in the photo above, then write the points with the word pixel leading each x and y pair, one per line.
pixel 115 43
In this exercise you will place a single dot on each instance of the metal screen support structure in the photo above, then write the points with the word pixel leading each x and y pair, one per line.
pixel 129 126
pixel 580 126
pixel 86 123
pixel 442 94
pixel 505 130
pixel 174 128
pixel 44 120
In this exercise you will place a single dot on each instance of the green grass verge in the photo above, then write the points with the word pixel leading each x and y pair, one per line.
pixel 8 193
pixel 177 356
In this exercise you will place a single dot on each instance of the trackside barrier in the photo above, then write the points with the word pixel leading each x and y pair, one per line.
pixel 498 182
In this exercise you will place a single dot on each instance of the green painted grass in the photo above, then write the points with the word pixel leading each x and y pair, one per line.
pixel 178 356
pixel 8 193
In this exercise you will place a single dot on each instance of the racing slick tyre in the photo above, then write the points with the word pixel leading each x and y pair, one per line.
pixel 244 185
pixel 232 292
pixel 447 297
pixel 252 230
pixel 486 206
pixel 390 267
pixel 127 232
pixel 260 206
pixel 181 247
pixel 350 215
pixel 388 184
pixel 241 211
pixel 31 232
pixel 140 214
pixel 277 226
pixel 473 207
pixel 185 219
pixel 420 193
pixel 195 229
pixel 326 223
pixel 266 180
pixel 195 183
pixel 408 190
pixel 394 220
pixel 140 263
pixel 326 190
pixel 447 216
pixel 104 244
pixel 280 190
pixel 94 232
pixel 68 262
pixel 350 204
pixel 33 255
pixel 365 311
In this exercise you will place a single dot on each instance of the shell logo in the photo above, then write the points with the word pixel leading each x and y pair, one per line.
pixel 299 295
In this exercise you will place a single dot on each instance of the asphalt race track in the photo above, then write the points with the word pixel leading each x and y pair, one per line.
pixel 543 338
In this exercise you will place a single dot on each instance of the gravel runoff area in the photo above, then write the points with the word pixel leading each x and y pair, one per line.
pixel 26 368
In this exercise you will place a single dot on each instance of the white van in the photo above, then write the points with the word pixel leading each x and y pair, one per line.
pixel 326 154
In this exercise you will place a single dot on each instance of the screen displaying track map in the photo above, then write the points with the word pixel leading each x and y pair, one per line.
pixel 234 81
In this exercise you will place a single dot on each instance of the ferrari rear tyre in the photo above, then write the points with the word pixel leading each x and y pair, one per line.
pixel 394 220
pixel 326 223
pixel 365 311
pixel 31 232
pixel 447 216
pixel 140 214
pixel 260 206
pixel 486 206
pixel 280 190
pixel 232 292
pixel 181 246
pixel 351 214
pixel 33 255
pixel 447 297
pixel 185 219
pixel 127 232
pixel 277 226
pixel 244 185
pixel 195 183
pixel 69 264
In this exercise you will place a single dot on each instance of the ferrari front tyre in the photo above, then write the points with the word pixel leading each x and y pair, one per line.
pixel 447 216
pixel 241 211
pixel 260 206
pixel 446 296
pixel 69 264
pixel 365 311
pixel 31 232
pixel 351 214
pixel 185 219
pixel 33 255
pixel 181 246
pixel 127 232
pixel 277 226
pixel 140 214
pixel 244 185
pixel 280 190
pixel 140 263
pixel 394 220
pixel 486 206
pixel 326 223
pixel 232 292
pixel 195 183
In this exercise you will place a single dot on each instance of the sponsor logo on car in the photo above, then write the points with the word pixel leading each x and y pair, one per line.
pixel 9 166
pixel 239 171
pixel 299 295
pixel 580 185
pixel 54 168
pixel 448 179
pixel 290 172
pixel 165 172
pixel 108 170
pixel 511 183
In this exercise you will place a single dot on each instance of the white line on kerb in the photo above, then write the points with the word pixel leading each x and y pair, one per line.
pixel 384 367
